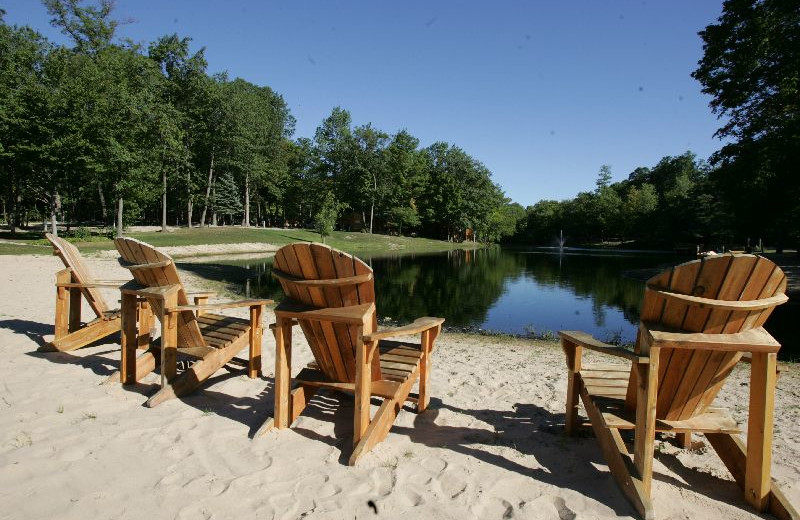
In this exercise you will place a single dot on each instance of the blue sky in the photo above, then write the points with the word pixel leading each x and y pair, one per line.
pixel 543 93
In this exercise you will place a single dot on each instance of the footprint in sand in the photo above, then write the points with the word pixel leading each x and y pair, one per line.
pixel 194 512
pixel 410 498
pixel 434 464
pixel 451 482
pixel 546 507
pixel 171 479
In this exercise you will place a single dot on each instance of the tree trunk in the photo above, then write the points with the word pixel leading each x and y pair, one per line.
pixel 119 217
pixel 164 200
pixel 189 202
pixel 103 208
pixel 246 219
pixel 372 206
pixel 55 203
pixel 371 215
pixel 208 191
pixel 18 216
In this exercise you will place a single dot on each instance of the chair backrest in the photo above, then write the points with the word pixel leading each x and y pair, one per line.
pixel 73 259
pixel 689 380
pixel 333 345
pixel 159 271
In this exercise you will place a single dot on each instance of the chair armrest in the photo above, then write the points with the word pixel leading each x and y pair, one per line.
pixel 353 315
pixel 326 282
pixel 293 322
pixel 417 326
pixel 585 340
pixel 217 306
pixel 113 285
pixel 752 340
pixel 202 294
pixel 726 305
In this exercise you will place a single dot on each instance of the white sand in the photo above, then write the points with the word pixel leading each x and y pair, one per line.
pixel 491 446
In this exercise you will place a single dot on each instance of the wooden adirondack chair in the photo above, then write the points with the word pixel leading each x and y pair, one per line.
pixel 331 295
pixel 72 283
pixel 212 339
pixel 697 321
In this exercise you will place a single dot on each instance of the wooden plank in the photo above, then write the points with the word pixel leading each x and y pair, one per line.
pixel 199 372
pixel 759 430
pixel 574 356
pixel 145 321
pixel 312 330
pixel 74 309
pixel 644 438
pixel 128 339
pixel 224 305
pixel 424 364
pixel 343 265
pixel 325 268
pixel 363 382
pixel 732 452
pixel 169 341
pixel 616 455
pixel 325 333
pixel 383 420
pixel 672 364
pixel 62 304
pixel 754 340
pixel 255 332
pixel 86 335
pixel 283 375
pixel 73 259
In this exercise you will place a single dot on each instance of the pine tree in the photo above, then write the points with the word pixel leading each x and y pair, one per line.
pixel 227 199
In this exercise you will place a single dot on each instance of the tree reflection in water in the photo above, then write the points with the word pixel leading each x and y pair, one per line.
pixel 504 290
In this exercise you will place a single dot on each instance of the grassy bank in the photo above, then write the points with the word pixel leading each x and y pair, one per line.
pixel 352 242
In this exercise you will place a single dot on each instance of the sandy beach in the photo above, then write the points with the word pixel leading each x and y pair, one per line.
pixel 490 446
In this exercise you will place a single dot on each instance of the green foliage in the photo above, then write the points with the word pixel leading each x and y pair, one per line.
pixel 325 219
pixel 750 67
pixel 674 201
pixel 227 200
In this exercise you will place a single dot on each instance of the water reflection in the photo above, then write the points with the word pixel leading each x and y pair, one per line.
pixel 515 291
pixel 495 289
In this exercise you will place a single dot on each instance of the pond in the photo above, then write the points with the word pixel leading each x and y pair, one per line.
pixel 533 292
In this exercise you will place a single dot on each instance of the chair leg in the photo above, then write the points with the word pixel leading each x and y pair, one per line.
pixel 190 379
pixel 363 387
pixel 254 363
pixel 145 325
pixel 84 336
pixel 759 430
pixel 733 453
pixel 684 440
pixel 62 304
pixel 74 309
pixel 283 374
pixel 129 339
pixel 619 463
pixel 424 372
pixel 574 354
pixel 645 433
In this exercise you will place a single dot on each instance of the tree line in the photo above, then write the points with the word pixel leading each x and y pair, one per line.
pixel 749 189
pixel 111 131
pixel 675 201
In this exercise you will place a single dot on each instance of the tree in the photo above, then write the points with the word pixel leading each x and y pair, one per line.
pixel 750 66
pixel 325 219
pixel 227 200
